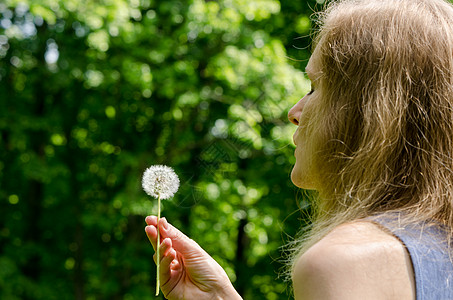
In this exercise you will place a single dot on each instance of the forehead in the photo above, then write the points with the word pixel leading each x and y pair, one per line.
pixel 313 69
pixel 308 69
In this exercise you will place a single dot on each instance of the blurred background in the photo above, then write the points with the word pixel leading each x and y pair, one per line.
pixel 93 92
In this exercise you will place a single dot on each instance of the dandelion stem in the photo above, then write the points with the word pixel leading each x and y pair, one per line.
pixel 157 247
pixel 160 182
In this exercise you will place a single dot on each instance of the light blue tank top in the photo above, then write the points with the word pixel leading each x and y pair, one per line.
pixel 430 259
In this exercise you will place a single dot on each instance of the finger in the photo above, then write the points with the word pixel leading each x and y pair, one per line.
pixel 151 220
pixel 164 247
pixel 180 242
pixel 165 266
pixel 175 264
pixel 151 233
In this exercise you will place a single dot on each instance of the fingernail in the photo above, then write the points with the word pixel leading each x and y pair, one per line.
pixel 164 223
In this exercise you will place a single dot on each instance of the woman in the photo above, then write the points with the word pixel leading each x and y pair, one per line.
pixel 375 139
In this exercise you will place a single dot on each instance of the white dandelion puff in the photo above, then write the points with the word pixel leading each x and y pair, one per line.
pixel 160 181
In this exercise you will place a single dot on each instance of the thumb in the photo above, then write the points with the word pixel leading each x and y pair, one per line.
pixel 181 243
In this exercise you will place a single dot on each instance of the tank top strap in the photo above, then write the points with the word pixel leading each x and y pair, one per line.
pixel 431 261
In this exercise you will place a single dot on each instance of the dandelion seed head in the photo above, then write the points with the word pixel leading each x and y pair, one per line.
pixel 160 180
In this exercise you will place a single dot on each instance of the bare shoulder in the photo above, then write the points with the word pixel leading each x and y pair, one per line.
pixel 357 260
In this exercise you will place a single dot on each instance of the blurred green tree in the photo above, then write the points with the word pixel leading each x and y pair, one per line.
pixel 92 92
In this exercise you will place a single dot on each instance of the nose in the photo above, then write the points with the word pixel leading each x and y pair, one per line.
pixel 295 112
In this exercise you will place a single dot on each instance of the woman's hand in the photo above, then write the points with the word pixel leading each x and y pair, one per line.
pixel 186 270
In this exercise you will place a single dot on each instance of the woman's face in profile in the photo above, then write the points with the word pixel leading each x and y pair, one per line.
pixel 304 115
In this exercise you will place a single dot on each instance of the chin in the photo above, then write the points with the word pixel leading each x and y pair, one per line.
pixel 302 179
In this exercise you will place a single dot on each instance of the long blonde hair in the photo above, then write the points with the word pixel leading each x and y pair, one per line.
pixel 385 113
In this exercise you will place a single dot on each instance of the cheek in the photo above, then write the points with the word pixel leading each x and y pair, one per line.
pixel 310 116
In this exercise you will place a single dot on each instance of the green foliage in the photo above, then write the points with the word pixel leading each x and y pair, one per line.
pixel 92 92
